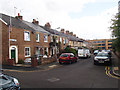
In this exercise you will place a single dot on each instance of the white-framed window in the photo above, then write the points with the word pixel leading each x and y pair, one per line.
pixel 37 37
pixel 51 38
pixel 66 40
pixel 37 50
pixel 56 39
pixel 45 38
pixel 26 35
pixel 27 51
pixel 61 39
pixel 45 51
pixel 69 42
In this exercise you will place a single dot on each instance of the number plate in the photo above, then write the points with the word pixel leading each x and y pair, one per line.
pixel 101 61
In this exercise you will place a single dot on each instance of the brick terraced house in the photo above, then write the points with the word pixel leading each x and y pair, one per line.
pixel 22 39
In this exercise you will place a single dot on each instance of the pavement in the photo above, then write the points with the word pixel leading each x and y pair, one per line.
pixel 115 65
pixel 27 68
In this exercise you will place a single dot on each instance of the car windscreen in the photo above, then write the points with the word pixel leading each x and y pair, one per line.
pixel 102 54
pixel 3 80
pixel 64 55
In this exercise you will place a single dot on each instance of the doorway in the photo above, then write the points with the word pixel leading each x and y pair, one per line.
pixel 14 53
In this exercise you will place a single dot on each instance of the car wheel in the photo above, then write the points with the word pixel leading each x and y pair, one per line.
pixel 76 60
pixel 95 63
pixel 60 63
pixel 70 62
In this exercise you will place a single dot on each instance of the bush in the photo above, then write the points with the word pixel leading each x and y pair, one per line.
pixel 70 50
pixel 20 61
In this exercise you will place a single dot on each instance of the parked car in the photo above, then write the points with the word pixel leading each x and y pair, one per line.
pixel 67 58
pixel 28 60
pixel 88 53
pixel 8 83
pixel 96 52
pixel 102 57
pixel 83 53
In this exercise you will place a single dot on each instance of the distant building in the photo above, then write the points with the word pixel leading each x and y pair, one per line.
pixel 102 43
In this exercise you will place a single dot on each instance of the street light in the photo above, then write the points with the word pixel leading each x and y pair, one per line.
pixel 55 44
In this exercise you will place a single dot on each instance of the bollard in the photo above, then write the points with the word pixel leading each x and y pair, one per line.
pixel 34 62
pixel 11 62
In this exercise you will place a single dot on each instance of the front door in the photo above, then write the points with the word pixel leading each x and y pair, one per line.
pixel 13 55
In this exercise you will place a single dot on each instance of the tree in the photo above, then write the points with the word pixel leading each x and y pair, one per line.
pixel 70 50
pixel 115 28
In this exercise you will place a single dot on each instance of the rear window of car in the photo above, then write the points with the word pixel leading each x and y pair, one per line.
pixel 64 55
pixel 102 54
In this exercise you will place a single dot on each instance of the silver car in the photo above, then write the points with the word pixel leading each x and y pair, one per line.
pixel 8 83
pixel 102 57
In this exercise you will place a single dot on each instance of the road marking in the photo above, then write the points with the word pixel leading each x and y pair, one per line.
pixel 53 79
pixel 109 74
pixel 52 66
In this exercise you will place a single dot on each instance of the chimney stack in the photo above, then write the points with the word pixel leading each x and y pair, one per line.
pixel 71 33
pixel 35 22
pixel 62 30
pixel 48 25
pixel 74 35
pixel 19 17
pixel 67 32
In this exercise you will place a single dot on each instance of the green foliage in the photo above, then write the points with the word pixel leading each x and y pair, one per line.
pixel 115 28
pixel 70 50
pixel 20 61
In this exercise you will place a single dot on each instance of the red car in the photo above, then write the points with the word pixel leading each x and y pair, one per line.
pixel 67 58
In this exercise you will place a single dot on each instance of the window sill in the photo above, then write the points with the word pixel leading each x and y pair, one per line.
pixel 46 41
pixel 27 40
pixel 27 56
pixel 37 41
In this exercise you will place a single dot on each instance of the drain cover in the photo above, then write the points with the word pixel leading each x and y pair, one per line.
pixel 53 79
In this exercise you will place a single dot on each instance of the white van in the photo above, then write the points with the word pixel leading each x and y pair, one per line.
pixel 85 53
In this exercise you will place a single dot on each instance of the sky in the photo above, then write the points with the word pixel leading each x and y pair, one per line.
pixel 88 19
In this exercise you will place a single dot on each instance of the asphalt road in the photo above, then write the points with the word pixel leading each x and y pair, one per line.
pixel 83 74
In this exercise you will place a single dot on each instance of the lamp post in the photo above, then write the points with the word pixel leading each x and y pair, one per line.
pixel 10 29
pixel 55 44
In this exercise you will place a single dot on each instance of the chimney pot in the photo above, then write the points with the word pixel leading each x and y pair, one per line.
pixel 48 25
pixel 67 32
pixel 71 33
pixel 18 14
pixel 74 35
pixel 19 17
pixel 62 30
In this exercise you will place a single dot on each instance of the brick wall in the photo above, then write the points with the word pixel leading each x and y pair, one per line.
pixel 5 42
pixel 18 34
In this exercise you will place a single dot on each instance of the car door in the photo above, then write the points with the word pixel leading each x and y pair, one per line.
pixel 72 58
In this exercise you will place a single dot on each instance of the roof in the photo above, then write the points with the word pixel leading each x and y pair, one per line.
pixel 33 27
pixel 15 22
pixel 55 32
pixel 36 27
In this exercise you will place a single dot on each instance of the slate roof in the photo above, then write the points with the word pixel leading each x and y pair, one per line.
pixel 55 32
pixel 33 27
pixel 36 27
pixel 15 22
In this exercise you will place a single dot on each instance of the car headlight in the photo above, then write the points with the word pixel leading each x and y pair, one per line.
pixel 16 81
pixel 1 88
pixel 95 59
pixel 107 59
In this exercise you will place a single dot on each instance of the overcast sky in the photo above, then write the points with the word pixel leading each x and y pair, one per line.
pixel 88 19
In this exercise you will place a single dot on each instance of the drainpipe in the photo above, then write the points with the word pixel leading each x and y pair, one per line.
pixel 10 29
